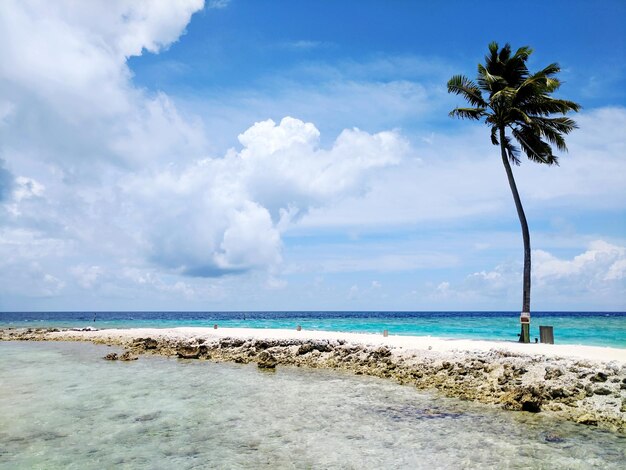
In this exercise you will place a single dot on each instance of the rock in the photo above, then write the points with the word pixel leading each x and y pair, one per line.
pixel 188 352
pixel 552 373
pixel 523 399
pixel 559 392
pixel 587 419
pixel 127 356
pixel 111 357
pixel 305 348
pixel 598 377
pixel 324 347
pixel 146 343
pixel 381 352
pixel 553 437
pixel 602 391
pixel 261 344
pixel 266 361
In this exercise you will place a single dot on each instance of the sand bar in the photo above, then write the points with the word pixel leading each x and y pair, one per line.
pixel 408 343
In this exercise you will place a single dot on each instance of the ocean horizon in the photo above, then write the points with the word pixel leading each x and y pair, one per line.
pixel 586 328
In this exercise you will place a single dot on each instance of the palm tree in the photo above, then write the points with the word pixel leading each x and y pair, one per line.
pixel 517 102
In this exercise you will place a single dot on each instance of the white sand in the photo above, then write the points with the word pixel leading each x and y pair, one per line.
pixel 406 343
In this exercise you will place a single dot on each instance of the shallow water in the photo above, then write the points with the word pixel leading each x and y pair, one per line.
pixel 62 406
pixel 590 328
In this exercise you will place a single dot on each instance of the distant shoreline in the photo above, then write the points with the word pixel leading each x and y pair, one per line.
pixel 585 384
pixel 588 328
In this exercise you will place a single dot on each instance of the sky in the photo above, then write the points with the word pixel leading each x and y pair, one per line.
pixel 289 155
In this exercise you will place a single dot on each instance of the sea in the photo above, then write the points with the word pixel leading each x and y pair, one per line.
pixel 589 328
pixel 63 407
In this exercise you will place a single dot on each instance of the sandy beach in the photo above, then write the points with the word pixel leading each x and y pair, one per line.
pixel 585 384
pixel 406 343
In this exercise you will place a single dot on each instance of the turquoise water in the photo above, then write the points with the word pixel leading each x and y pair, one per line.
pixel 590 328
pixel 63 407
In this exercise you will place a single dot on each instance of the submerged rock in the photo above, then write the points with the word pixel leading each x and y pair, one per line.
pixel 111 357
pixel 127 356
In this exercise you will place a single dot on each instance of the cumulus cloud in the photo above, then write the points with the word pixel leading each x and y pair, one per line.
pixel 598 273
pixel 6 182
pixel 225 215
pixel 111 188
pixel 101 163
pixel 590 177
pixel 65 87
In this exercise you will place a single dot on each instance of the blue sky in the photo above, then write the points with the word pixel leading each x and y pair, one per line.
pixel 245 155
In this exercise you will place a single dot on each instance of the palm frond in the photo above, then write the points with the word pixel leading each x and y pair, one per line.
pixel 550 70
pixel 511 150
pixel 543 105
pixel 461 85
pixel 533 146
pixel 505 53
pixel 494 135
pixel 467 113
pixel 561 124
pixel 488 81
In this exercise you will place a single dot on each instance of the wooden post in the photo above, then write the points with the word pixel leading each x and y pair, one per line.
pixel 546 334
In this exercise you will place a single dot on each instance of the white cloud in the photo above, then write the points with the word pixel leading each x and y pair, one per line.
pixel 67 87
pixel 595 276
pixel 224 215
pixel 107 187
pixel 461 176
pixel 601 262
pixel 87 276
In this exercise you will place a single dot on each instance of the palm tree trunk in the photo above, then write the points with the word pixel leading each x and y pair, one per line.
pixel 524 336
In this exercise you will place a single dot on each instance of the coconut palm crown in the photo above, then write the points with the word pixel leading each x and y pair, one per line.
pixel 517 107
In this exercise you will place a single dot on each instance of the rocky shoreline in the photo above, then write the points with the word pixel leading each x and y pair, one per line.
pixel 584 391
